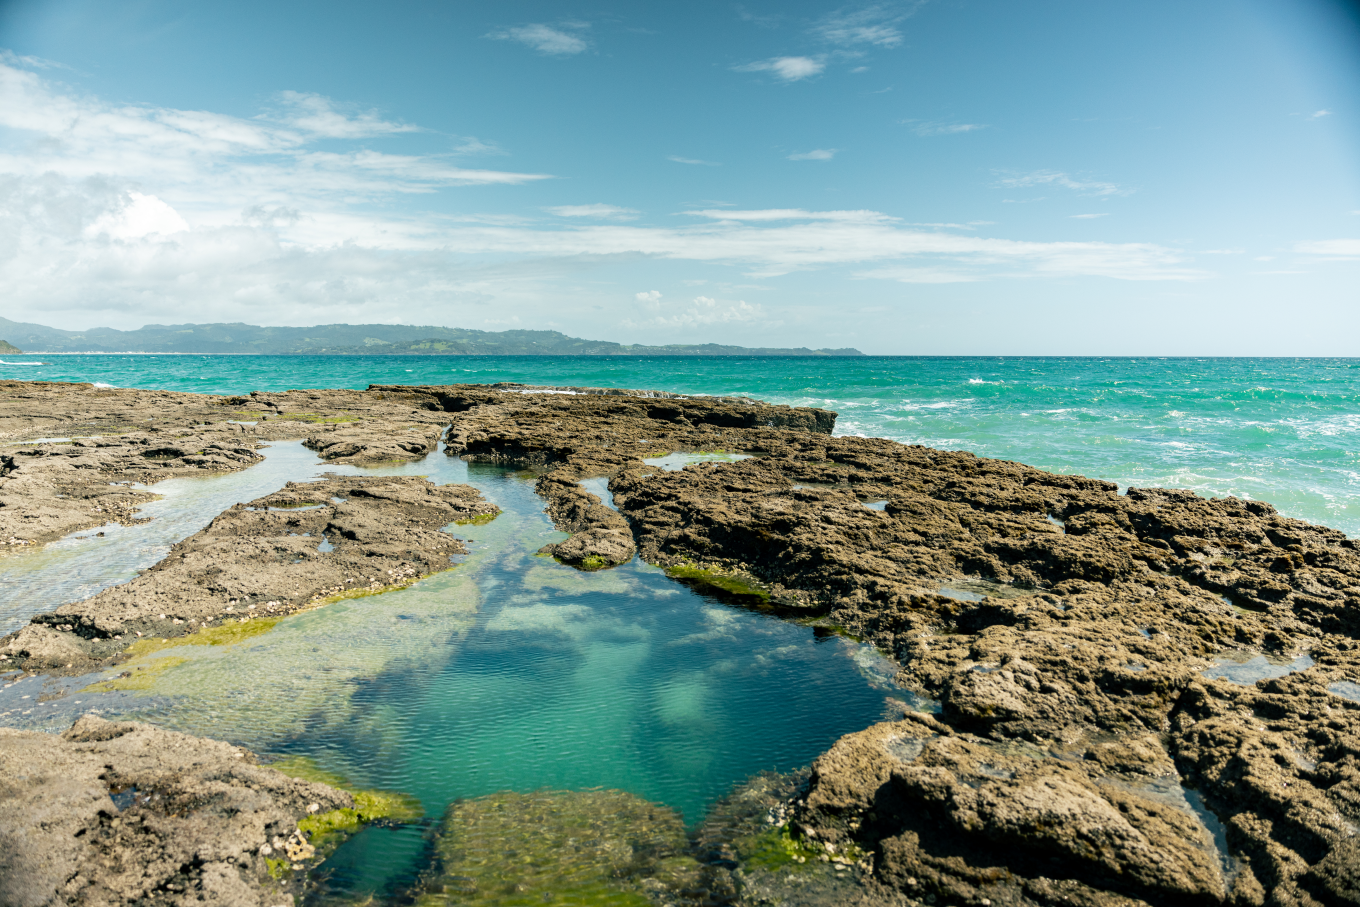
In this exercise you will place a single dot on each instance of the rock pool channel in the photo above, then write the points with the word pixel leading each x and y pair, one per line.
pixel 509 673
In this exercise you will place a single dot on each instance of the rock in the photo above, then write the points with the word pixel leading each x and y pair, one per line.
pixel 1059 631
pixel 587 847
pixel 118 436
pixel 287 551
pixel 123 813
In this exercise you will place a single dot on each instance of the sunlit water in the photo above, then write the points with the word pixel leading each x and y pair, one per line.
pixel 509 672
pixel 1285 431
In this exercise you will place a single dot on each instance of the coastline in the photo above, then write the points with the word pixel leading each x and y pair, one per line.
pixel 1062 630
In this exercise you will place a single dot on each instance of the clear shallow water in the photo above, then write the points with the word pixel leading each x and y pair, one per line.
pixel 1285 431
pixel 83 564
pixel 1246 668
pixel 509 672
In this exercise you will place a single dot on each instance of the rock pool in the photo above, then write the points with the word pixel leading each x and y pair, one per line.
pixel 510 672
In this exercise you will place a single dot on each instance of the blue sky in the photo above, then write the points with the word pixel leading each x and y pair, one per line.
pixel 939 177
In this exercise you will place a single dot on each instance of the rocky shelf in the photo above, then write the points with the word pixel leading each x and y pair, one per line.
pixel 1126 698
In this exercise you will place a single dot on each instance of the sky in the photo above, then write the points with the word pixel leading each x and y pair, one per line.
pixel 934 177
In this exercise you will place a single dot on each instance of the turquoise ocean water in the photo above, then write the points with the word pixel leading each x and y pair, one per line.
pixel 1285 431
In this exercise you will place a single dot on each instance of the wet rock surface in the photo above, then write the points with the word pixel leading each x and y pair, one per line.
pixel 124 813
pixel 284 552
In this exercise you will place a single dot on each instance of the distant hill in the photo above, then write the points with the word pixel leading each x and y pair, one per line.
pixel 355 339
pixel 7 347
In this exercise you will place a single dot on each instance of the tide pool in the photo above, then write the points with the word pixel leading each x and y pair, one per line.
pixel 510 672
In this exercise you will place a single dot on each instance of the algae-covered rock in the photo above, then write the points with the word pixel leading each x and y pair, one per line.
pixel 326 831
pixel 599 847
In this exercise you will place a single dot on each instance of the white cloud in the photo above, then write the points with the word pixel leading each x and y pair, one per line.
pixel 790 69
pixel 819 154
pixel 10 58
pixel 1089 216
pixel 1319 114
pixel 649 296
pixel 141 216
pixel 772 214
pixel 694 161
pixel 470 144
pixel 930 129
pixel 874 25
pixel 318 115
pixel 703 311
pixel 1330 248
pixel 917 275
pixel 1056 178
pixel 545 39
pixel 146 212
pixel 201 160
pixel 599 212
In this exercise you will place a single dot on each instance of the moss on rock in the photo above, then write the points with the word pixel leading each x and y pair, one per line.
pixel 600 847
pixel 328 830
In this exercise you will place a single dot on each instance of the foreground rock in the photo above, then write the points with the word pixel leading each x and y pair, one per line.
pixel 284 552
pixel 574 847
pixel 124 813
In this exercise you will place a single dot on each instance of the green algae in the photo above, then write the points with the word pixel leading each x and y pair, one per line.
pixel 775 849
pixel 603 848
pixel 727 582
pixel 327 831
pixel 143 677
pixel 225 634
pixel 594 562
pixel 480 519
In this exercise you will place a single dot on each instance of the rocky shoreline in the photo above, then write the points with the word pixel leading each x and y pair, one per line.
pixel 1076 743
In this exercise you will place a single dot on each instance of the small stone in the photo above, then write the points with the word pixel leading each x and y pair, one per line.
pixel 313 808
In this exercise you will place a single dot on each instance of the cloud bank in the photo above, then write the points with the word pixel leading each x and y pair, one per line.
pixel 146 212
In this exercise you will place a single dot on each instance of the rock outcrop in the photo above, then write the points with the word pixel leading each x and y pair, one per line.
pixel 100 442
pixel 1125 698
pixel 1078 751
pixel 290 550
pixel 125 813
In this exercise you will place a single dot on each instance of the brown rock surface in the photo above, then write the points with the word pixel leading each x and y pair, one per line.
pixel 124 813
pixel 119 436
pixel 1061 630
pixel 278 554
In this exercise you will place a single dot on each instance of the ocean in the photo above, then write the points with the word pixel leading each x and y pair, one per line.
pixel 1285 431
